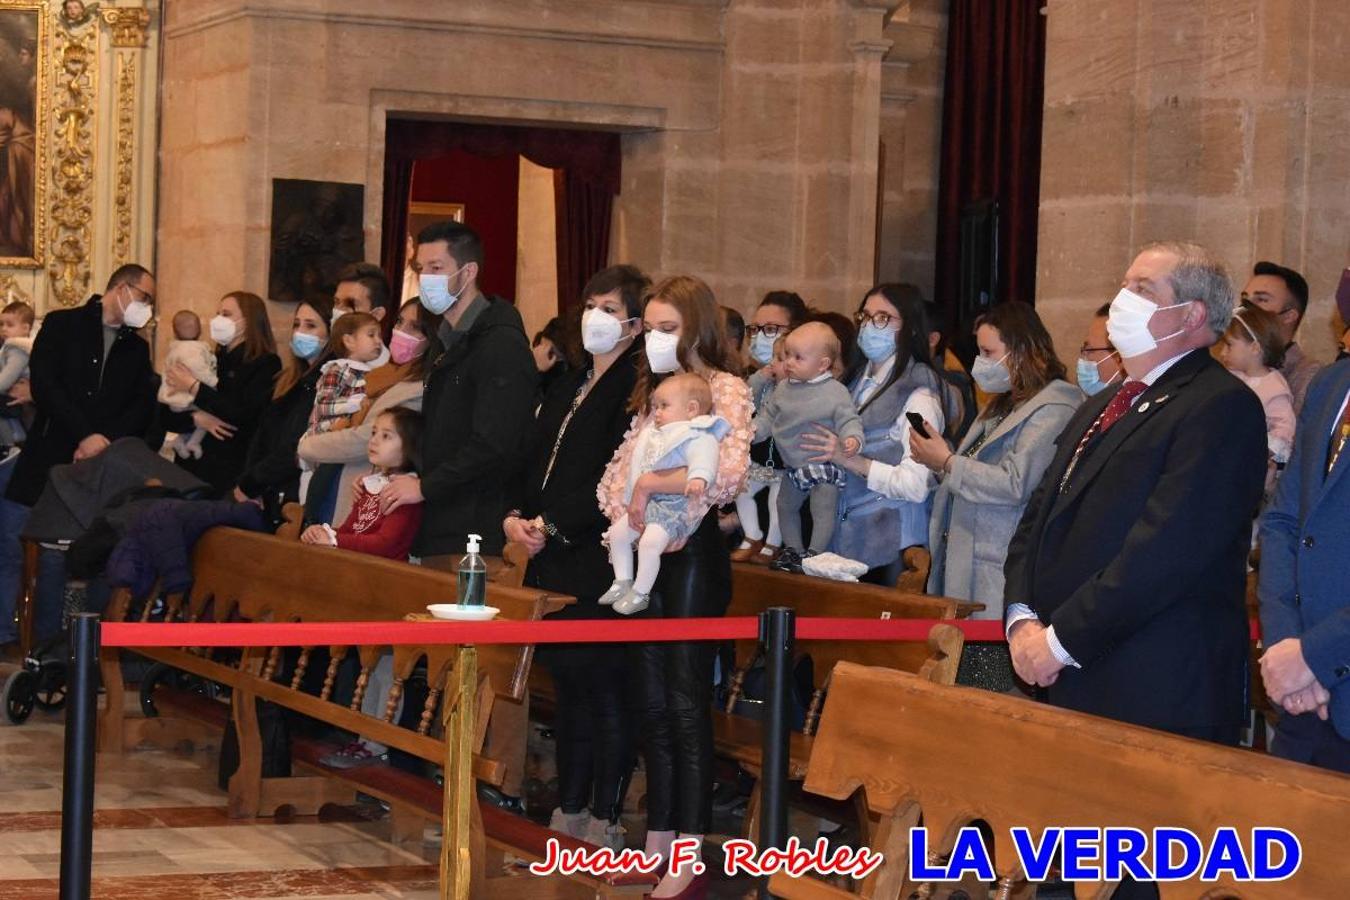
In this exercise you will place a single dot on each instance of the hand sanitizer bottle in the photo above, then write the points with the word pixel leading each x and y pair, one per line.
pixel 472 575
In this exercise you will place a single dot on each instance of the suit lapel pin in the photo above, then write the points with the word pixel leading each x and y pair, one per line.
pixel 1163 399
pixel 1143 407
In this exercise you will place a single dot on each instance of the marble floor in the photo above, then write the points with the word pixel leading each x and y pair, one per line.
pixel 161 830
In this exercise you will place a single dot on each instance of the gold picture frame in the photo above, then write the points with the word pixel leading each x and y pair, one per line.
pixel 25 60
pixel 422 213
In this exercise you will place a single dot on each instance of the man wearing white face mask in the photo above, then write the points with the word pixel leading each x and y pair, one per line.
pixel 92 384
pixel 1126 578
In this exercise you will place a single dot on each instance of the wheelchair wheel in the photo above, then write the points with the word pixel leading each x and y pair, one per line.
pixel 51 686
pixel 19 695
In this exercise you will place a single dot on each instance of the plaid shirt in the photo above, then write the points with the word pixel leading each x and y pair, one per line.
pixel 339 383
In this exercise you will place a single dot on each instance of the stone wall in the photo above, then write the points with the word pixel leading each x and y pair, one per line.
pixel 751 127
pixel 1222 121
pixel 913 71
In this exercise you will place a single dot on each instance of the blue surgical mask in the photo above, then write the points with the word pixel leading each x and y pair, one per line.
pixel 761 348
pixel 1090 377
pixel 877 344
pixel 435 292
pixel 991 375
pixel 306 346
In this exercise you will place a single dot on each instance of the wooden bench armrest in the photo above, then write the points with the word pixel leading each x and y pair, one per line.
pixel 781 884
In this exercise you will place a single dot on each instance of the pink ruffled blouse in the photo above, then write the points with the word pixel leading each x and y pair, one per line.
pixel 731 401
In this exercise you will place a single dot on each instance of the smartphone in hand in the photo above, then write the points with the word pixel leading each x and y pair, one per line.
pixel 916 422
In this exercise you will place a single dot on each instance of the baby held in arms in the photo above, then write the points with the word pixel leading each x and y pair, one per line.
pixel 199 356
pixel 808 396
pixel 681 434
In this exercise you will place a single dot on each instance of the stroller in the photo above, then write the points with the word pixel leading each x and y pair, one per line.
pixel 82 511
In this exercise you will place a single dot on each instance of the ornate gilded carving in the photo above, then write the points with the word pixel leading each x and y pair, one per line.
pixel 11 291
pixel 72 207
pixel 128 24
pixel 126 146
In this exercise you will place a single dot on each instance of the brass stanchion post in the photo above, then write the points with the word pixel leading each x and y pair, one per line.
pixel 457 806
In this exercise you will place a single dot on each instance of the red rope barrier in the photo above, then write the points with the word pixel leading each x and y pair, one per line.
pixel 575 631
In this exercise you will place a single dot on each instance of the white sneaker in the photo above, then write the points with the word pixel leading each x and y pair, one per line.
pixel 631 602
pixel 570 824
pixel 603 834
pixel 615 592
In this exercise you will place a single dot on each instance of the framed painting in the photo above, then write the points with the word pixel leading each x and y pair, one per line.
pixel 422 214
pixel 316 231
pixel 24 61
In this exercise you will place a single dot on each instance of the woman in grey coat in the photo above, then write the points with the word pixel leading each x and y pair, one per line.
pixel 986 482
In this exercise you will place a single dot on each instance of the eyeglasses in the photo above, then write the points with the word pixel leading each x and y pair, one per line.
pixel 772 331
pixel 1085 349
pixel 145 296
pixel 880 320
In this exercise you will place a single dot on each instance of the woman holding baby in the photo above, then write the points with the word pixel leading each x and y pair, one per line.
pixel 682 325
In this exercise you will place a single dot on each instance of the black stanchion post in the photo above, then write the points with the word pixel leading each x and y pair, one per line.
pixel 77 790
pixel 777 627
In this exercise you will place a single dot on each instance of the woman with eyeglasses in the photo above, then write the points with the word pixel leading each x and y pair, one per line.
pixel 777 314
pixel 885 501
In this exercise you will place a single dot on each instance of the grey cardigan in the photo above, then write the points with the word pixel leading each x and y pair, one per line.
pixel 978 505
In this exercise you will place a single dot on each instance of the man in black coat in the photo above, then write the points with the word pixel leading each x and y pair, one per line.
pixel 1126 579
pixel 478 405
pixel 92 384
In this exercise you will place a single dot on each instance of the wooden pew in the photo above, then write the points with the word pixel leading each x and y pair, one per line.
pixel 261 578
pixel 755 588
pixel 957 754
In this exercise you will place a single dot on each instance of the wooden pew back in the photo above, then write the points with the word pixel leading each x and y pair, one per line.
pixel 957 754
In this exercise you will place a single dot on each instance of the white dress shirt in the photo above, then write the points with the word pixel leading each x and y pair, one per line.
pixel 1018 612
pixel 907 480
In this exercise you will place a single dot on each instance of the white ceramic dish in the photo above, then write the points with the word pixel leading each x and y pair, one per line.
pixel 457 613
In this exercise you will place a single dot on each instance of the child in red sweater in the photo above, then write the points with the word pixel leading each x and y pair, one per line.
pixel 393 452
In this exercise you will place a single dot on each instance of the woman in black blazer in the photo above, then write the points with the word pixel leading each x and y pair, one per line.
pixel 271 471
pixel 580 424
pixel 246 368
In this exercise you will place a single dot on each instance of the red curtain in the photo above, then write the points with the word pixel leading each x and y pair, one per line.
pixel 991 139
pixel 586 180
pixel 582 213
pixel 398 175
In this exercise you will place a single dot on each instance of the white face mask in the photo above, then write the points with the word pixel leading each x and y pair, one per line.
pixel 1127 324
pixel 338 312
pixel 663 352
pixel 600 332
pixel 136 313
pixel 223 330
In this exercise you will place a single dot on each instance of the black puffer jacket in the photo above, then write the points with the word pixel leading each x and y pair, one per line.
pixel 271 468
pixel 478 406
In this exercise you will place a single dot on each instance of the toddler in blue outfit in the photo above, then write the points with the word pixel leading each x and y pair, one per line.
pixel 681 434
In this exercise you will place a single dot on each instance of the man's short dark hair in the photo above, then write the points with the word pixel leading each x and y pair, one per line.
pixel 1103 311
pixel 1296 283
pixel 628 280
pixel 129 273
pixel 465 245
pixel 371 277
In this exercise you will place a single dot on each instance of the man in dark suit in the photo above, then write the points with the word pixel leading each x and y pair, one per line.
pixel 1126 577
pixel 1305 569
pixel 92 384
